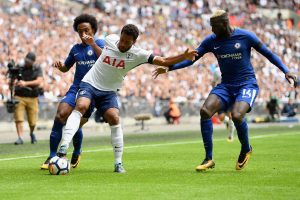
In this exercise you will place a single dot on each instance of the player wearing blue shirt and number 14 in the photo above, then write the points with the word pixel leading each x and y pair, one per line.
pixel 84 55
pixel 238 88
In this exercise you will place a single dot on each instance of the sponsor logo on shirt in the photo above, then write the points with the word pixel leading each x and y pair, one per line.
pixel 118 63
pixel 233 56
pixel 89 63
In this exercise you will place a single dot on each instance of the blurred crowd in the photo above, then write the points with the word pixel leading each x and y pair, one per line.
pixel 167 28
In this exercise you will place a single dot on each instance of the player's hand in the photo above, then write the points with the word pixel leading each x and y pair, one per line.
pixel 190 54
pixel 58 65
pixel 158 71
pixel 290 77
pixel 87 39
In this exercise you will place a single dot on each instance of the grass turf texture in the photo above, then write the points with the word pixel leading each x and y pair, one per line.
pixel 160 166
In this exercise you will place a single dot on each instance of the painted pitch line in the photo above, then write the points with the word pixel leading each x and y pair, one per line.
pixel 153 145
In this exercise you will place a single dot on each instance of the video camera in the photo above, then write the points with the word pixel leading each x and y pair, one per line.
pixel 14 72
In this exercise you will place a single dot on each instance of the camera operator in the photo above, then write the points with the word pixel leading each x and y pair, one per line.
pixel 26 92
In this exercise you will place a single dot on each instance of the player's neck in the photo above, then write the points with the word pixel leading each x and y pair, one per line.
pixel 228 32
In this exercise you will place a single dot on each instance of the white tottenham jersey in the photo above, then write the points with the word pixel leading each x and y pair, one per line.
pixel 108 72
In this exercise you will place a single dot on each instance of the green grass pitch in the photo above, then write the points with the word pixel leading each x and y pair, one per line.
pixel 160 166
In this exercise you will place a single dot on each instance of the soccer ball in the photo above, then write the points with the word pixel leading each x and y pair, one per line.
pixel 59 166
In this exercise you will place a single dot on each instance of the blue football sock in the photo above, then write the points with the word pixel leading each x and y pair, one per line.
pixel 55 136
pixel 77 141
pixel 242 132
pixel 207 132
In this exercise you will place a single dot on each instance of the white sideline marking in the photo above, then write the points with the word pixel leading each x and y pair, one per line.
pixel 154 145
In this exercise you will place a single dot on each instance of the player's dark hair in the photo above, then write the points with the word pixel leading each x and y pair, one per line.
pixel 85 18
pixel 132 30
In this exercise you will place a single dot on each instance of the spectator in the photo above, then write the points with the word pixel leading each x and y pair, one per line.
pixel 289 109
pixel 273 107
pixel 27 91
pixel 173 114
pixel 32 24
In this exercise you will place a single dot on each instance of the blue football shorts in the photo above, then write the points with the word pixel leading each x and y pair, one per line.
pixel 229 94
pixel 101 100
pixel 70 97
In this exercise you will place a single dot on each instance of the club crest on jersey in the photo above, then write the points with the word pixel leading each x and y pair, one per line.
pixel 114 62
pixel 90 52
pixel 82 92
pixel 128 55
pixel 237 45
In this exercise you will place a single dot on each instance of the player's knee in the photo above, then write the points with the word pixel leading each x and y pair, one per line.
pixel 62 116
pixel 237 117
pixel 205 113
pixel 81 107
pixel 113 119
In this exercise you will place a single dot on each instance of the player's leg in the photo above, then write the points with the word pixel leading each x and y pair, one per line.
pixel 73 123
pixel 238 114
pixel 230 128
pixel 77 141
pixel 209 108
pixel 243 104
pixel 62 113
pixel 70 99
pixel 83 102
pixel 109 108
pixel 117 142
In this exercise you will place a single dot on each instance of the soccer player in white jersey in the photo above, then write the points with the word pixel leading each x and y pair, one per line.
pixel 98 87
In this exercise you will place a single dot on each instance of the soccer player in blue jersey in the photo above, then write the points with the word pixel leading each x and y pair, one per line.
pixel 238 88
pixel 84 55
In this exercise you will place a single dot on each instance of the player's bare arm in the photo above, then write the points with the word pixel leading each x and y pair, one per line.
pixel 168 61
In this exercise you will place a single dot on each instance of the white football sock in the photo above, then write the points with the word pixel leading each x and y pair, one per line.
pixel 230 128
pixel 71 127
pixel 117 142
pixel 226 119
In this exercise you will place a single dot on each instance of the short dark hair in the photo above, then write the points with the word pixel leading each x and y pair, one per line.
pixel 85 18
pixel 30 56
pixel 132 30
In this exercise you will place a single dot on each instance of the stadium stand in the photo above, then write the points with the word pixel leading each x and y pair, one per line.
pixel 167 27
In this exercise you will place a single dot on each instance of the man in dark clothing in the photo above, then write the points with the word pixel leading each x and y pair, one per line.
pixel 26 91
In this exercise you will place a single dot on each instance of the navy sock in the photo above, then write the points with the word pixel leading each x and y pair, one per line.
pixel 242 132
pixel 207 132
pixel 55 137
pixel 77 141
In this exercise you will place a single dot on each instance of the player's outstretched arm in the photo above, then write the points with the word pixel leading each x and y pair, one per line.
pixel 186 59
pixel 273 58
pixel 168 61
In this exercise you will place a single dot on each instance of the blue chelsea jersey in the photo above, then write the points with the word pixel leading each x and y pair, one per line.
pixel 85 57
pixel 233 54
